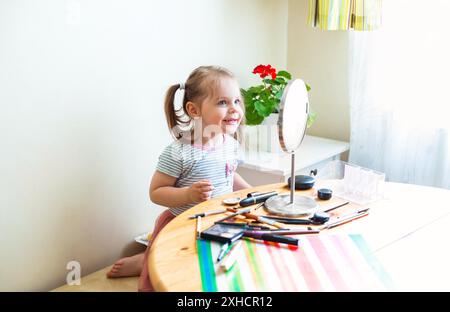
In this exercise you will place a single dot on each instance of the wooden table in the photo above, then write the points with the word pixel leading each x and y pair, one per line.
pixel 409 230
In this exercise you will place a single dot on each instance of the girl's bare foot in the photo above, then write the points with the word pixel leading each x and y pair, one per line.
pixel 128 266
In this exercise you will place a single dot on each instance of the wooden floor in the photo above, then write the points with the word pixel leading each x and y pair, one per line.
pixel 98 281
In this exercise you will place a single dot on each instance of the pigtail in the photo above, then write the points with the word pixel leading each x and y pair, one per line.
pixel 173 115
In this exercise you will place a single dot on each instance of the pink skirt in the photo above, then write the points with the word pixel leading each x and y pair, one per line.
pixel 144 280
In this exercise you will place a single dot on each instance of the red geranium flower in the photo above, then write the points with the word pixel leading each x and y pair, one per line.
pixel 265 70
pixel 259 69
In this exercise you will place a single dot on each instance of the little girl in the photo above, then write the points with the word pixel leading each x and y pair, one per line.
pixel 201 163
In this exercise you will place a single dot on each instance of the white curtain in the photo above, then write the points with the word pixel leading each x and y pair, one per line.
pixel 400 93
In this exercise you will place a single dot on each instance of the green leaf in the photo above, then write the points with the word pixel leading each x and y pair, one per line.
pixel 268 105
pixel 263 109
pixel 279 94
pixel 282 83
pixel 264 96
pixel 255 89
pixel 249 105
pixel 253 118
pixel 276 106
pixel 272 82
pixel 307 87
pixel 285 74
pixel 311 118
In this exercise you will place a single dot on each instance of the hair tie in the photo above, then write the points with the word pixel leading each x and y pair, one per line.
pixel 182 86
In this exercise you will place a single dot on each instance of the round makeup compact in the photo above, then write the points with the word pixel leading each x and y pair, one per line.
pixel 303 182
pixel 324 194
pixel 231 201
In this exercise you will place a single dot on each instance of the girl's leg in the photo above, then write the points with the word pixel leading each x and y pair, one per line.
pixel 144 279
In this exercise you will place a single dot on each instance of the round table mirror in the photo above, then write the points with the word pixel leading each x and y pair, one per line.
pixel 292 123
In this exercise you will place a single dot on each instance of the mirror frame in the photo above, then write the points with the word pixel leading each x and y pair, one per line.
pixel 280 118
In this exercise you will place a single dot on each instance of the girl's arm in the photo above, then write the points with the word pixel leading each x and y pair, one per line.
pixel 239 183
pixel 162 191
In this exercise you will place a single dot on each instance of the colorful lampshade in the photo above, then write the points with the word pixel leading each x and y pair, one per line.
pixel 345 14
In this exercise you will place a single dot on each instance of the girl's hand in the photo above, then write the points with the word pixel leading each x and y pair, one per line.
pixel 200 191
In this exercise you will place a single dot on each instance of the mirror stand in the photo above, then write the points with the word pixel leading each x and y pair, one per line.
pixel 291 205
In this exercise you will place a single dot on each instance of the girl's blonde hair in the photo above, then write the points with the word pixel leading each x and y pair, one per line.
pixel 200 84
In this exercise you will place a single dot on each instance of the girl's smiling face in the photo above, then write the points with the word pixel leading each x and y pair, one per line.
pixel 223 111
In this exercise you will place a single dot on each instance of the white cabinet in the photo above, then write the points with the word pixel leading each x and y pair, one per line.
pixel 264 168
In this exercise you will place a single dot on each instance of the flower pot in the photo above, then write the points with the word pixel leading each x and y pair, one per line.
pixel 264 137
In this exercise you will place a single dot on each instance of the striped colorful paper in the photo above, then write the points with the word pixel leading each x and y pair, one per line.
pixel 339 262
pixel 345 14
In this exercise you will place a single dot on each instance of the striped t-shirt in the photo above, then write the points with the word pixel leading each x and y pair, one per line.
pixel 190 163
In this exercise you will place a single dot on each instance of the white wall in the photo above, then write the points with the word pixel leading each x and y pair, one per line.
pixel 321 59
pixel 81 117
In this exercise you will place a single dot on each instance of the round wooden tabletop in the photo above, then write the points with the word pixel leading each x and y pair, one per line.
pixel 173 261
